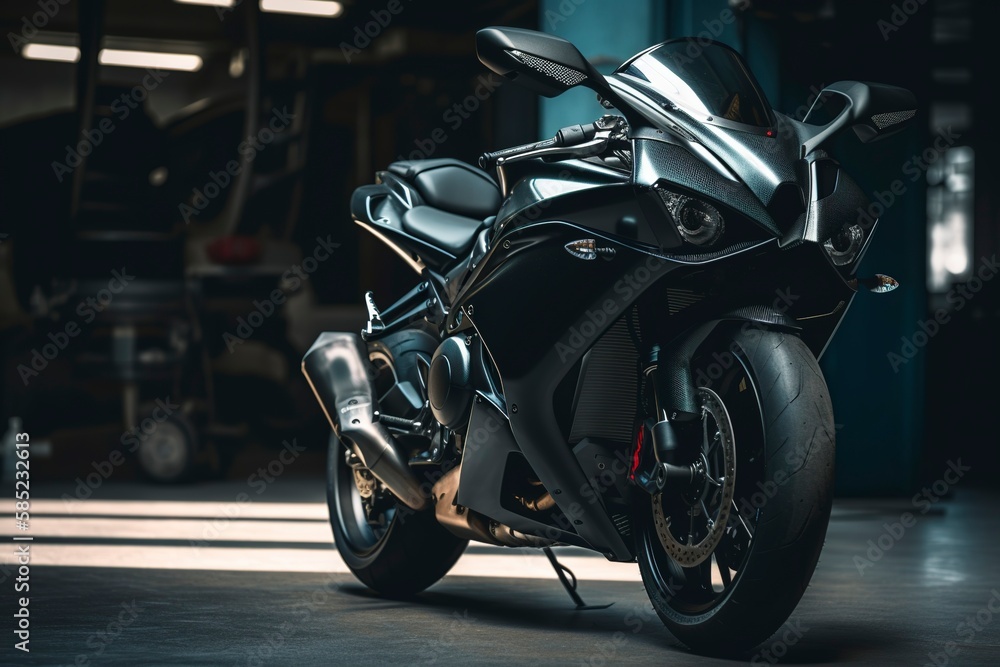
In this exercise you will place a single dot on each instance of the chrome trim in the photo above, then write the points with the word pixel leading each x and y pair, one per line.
pixel 414 264
pixel 836 310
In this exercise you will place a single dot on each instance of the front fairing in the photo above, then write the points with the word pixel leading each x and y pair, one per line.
pixel 705 99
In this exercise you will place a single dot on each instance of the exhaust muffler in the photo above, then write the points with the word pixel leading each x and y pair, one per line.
pixel 337 369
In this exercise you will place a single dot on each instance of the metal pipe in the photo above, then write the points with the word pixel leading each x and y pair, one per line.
pixel 339 374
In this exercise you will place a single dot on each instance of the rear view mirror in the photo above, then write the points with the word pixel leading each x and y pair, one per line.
pixel 542 63
pixel 874 110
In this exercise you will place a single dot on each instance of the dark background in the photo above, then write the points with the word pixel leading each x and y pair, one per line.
pixel 361 101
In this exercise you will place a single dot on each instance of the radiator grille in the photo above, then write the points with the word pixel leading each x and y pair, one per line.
pixel 605 401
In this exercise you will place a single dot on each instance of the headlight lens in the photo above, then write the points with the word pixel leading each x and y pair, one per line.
pixel 697 221
pixel 843 247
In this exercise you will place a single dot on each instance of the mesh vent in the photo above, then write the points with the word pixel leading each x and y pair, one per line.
pixel 564 75
pixel 605 404
pixel 679 299
pixel 884 120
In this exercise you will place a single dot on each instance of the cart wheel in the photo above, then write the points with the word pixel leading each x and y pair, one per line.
pixel 168 454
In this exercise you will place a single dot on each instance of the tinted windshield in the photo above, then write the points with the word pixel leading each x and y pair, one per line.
pixel 710 80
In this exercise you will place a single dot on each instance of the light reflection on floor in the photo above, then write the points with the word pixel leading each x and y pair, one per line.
pixel 198 535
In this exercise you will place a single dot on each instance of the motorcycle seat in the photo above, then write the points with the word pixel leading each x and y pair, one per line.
pixel 451 185
pixel 452 233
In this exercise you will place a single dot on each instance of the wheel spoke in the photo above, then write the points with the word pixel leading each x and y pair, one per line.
pixel 705 574
pixel 704 433
pixel 736 512
pixel 727 579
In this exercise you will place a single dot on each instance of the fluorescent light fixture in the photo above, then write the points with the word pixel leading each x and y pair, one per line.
pixel 62 54
pixel 209 3
pixel 328 8
pixel 184 62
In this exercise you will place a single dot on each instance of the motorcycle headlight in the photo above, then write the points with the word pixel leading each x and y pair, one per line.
pixel 843 247
pixel 697 221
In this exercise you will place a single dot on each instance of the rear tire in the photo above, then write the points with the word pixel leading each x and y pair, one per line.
pixel 782 507
pixel 403 557
pixel 397 551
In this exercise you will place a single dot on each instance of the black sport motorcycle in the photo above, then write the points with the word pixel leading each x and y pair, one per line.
pixel 613 344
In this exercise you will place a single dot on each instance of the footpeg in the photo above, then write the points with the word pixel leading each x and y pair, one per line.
pixel 375 325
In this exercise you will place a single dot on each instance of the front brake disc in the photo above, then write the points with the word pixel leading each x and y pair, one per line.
pixel 694 553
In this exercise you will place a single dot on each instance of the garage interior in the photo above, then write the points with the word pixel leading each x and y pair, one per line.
pixel 170 166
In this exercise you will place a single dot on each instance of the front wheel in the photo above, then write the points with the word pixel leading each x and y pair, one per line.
pixel 725 562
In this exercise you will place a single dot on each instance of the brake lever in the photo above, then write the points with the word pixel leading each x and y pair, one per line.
pixel 595 146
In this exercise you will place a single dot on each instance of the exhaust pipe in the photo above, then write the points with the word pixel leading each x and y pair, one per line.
pixel 337 369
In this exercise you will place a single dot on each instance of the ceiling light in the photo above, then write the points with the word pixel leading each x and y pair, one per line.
pixel 63 54
pixel 327 8
pixel 209 3
pixel 184 62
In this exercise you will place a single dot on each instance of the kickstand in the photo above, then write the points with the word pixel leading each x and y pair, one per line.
pixel 570 586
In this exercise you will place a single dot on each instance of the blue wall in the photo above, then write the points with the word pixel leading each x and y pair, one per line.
pixel 607 35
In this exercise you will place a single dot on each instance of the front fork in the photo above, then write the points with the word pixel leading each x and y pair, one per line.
pixel 670 434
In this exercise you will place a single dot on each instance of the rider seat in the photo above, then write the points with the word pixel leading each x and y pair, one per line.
pixel 457 200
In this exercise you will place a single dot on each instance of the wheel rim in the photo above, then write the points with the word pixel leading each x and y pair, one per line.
pixel 364 521
pixel 164 453
pixel 693 580
pixel 708 506
pixel 364 509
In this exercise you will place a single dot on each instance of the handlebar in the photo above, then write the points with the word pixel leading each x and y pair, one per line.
pixel 566 137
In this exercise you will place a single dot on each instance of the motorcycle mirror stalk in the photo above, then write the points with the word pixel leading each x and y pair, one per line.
pixel 877 284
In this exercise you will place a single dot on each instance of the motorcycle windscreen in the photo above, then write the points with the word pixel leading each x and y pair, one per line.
pixel 708 81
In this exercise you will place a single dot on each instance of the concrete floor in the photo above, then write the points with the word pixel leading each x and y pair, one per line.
pixel 115 579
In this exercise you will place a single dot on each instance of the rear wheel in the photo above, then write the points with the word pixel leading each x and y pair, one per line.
pixel 389 547
pixel 726 561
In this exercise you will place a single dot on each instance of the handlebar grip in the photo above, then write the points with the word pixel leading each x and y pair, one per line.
pixel 488 159
pixel 567 136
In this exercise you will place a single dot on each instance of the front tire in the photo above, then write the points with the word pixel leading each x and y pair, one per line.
pixel 778 410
